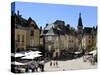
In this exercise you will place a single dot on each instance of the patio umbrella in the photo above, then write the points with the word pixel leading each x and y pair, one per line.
pixel 77 52
pixel 31 56
pixel 18 63
pixel 32 52
pixel 37 51
pixel 94 52
pixel 17 54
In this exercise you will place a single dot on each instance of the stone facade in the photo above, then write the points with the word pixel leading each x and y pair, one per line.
pixel 60 37
pixel 89 38
pixel 27 34
pixel 20 39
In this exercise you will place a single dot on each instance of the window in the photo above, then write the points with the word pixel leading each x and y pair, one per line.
pixel 31 42
pixel 89 37
pixel 22 38
pixel 57 38
pixel 49 47
pixel 89 41
pixel 32 33
pixel 18 38
pixel 18 49
pixel 70 41
pixel 49 38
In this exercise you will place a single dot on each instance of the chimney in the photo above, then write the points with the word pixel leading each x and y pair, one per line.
pixel 46 25
pixel 40 27
pixel 18 12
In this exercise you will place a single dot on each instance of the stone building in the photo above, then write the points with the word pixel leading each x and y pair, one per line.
pixel 51 40
pixel 71 40
pixel 89 38
pixel 59 37
pixel 20 39
pixel 33 34
pixel 27 33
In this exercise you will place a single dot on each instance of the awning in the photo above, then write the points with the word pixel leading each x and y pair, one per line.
pixel 31 56
pixel 94 52
pixel 17 54
pixel 18 63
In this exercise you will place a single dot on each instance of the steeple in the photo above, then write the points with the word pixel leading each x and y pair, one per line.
pixel 80 20
pixel 80 24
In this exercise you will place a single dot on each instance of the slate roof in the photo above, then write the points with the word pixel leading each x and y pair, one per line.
pixel 50 32
pixel 90 30
pixel 19 20
pixel 49 26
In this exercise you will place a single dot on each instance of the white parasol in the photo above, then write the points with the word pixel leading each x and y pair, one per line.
pixel 77 52
pixel 18 63
pixel 94 52
pixel 32 52
pixel 17 54
pixel 31 56
pixel 37 51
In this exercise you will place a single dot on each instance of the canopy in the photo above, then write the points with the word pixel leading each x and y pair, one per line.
pixel 31 56
pixel 32 53
pixel 94 52
pixel 77 52
pixel 18 63
pixel 37 51
pixel 17 54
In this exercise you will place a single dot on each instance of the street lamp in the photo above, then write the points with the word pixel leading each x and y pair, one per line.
pixel 49 49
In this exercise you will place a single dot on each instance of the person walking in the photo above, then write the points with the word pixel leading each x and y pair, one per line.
pixel 56 63
pixel 36 67
pixel 42 66
pixel 26 70
pixel 51 63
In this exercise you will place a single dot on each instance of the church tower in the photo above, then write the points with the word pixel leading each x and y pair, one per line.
pixel 80 32
pixel 80 24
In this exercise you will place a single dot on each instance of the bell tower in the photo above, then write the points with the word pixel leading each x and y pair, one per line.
pixel 80 24
pixel 80 32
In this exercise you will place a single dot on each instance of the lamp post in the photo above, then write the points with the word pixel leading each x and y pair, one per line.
pixel 49 49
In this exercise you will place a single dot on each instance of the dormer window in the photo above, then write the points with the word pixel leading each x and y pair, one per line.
pixel 32 33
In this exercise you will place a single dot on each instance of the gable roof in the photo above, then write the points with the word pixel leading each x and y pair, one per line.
pixel 22 22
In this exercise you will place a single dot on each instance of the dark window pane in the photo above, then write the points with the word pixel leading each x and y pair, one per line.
pixel 32 33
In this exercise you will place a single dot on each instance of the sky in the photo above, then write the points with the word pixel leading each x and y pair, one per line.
pixel 44 13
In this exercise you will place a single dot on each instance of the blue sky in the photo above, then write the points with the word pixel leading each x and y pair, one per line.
pixel 48 13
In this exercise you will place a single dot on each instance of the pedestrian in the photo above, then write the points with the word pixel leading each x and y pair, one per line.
pixel 51 63
pixel 36 67
pixel 42 67
pixel 56 63
pixel 33 69
pixel 27 69
pixel 63 69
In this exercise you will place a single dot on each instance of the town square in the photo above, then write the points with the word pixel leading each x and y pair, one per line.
pixel 52 37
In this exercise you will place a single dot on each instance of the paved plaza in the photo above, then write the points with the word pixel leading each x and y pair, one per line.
pixel 74 64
